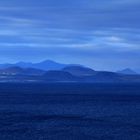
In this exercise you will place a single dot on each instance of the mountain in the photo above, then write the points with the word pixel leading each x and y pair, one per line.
pixel 103 76
pixel 11 70
pixel 50 71
pixel 44 65
pixel 127 71
pixel 97 77
pixel 23 64
pixel 49 65
pixel 79 70
pixel 17 74
pixel 20 71
pixel 6 65
pixel 59 76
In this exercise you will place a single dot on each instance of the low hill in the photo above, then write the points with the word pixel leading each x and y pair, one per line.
pixel 59 76
pixel 21 71
pixel 127 71
pixel 79 70
pixel 44 65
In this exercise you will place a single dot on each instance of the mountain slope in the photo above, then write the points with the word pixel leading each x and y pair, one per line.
pixel 21 71
pixel 44 65
pixel 55 72
pixel 127 71
pixel 59 76
pixel 48 65
pixel 79 70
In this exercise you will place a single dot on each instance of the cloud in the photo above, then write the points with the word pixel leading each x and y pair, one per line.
pixel 89 30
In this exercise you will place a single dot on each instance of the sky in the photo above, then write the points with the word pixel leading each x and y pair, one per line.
pixel 104 35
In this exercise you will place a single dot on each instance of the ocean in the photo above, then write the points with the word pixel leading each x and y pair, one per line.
pixel 69 111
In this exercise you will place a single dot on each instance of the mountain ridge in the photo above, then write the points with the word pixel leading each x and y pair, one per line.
pixel 56 72
pixel 44 65
pixel 127 71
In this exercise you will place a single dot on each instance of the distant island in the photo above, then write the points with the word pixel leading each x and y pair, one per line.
pixel 51 71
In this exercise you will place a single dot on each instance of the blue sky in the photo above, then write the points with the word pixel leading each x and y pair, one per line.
pixel 103 35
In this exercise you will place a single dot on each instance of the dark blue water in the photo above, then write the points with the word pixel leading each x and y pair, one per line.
pixel 64 111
